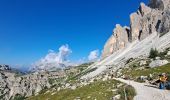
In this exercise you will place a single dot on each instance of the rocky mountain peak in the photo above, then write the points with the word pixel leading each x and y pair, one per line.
pixel 117 41
pixel 154 17
pixel 4 67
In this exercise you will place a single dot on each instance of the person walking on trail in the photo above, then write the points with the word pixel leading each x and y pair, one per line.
pixel 163 80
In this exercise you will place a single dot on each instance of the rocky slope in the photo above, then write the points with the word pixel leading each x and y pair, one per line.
pixel 12 84
pixel 17 85
pixel 151 18
pixel 149 28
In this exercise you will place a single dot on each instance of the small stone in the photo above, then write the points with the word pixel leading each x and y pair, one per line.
pixel 89 97
pixel 67 85
pixel 59 88
pixel 168 53
pixel 114 90
pixel 73 87
pixel 119 85
pixel 53 93
pixel 143 62
pixel 157 58
pixel 143 78
pixel 117 97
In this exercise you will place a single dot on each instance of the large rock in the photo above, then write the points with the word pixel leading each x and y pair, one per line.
pixel 157 63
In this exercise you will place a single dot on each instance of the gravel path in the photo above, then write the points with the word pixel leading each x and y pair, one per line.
pixel 146 92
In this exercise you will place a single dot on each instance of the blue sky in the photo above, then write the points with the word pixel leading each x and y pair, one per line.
pixel 29 28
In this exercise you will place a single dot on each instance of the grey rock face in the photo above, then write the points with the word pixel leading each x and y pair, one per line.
pixel 135 27
pixel 117 41
pixel 144 22
pixel 148 19
pixel 27 85
pixel 164 26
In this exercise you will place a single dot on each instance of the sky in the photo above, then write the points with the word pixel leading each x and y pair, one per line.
pixel 32 29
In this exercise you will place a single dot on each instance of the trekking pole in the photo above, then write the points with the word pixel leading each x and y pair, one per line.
pixel 125 94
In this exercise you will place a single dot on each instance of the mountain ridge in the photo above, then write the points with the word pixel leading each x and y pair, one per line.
pixel 149 29
pixel 145 21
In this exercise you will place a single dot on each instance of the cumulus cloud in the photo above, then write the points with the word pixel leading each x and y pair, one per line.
pixel 54 59
pixel 94 55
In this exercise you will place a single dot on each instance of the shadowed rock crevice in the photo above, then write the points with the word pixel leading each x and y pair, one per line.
pixel 156 4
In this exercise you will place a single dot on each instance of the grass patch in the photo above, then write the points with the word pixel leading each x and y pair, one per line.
pixel 130 92
pixel 74 78
pixel 100 90
pixel 19 97
pixel 135 73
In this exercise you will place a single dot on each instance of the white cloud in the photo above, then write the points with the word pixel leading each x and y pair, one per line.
pixel 54 59
pixel 94 55
pixel 60 59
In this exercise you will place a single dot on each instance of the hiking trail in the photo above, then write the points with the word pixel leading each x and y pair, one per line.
pixel 146 92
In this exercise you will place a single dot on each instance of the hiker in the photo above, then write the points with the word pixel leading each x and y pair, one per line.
pixel 163 80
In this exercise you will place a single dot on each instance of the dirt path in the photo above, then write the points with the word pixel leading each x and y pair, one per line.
pixel 144 92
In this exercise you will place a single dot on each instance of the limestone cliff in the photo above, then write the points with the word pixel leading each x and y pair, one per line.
pixel 154 17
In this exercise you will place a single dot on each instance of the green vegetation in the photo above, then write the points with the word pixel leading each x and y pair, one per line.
pixel 1 97
pixel 153 53
pixel 81 71
pixel 130 92
pixel 100 90
pixel 84 72
pixel 19 97
pixel 54 81
pixel 72 75
pixel 43 90
pixel 135 73
pixel 84 66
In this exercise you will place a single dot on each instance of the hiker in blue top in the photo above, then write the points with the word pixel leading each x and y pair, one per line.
pixel 163 80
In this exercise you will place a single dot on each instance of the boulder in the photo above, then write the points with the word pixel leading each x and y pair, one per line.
pixel 117 97
pixel 168 53
pixel 142 62
pixel 143 78
pixel 157 63
pixel 158 58
pixel 73 87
